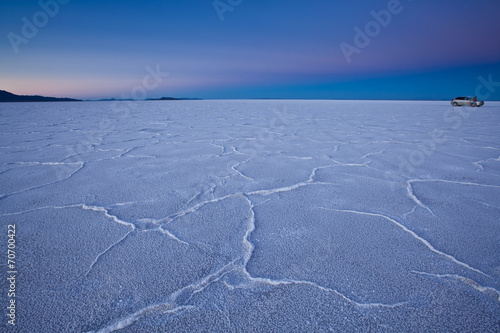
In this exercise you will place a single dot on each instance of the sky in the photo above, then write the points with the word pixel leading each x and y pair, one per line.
pixel 238 49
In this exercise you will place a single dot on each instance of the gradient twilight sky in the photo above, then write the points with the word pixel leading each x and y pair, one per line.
pixel 431 49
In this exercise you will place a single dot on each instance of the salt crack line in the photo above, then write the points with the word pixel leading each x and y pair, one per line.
pixel 196 207
pixel 411 195
pixel 315 285
pixel 35 209
pixel 83 206
pixel 141 156
pixel 117 220
pixel 42 163
pixel 453 182
pixel 405 215
pixel 198 287
pixel 98 257
pixel 120 204
pixel 225 313
pixel 417 237
pixel 466 141
pixel 6 170
pixel 285 189
pixel 233 167
pixel 279 189
pixel 313 172
pixel 219 146
pixel 107 214
pixel 249 247
pixel 202 192
pixel 349 164
pixel 196 196
pixel 236 152
pixel 168 233
pixel 131 319
pixel 304 158
pixel 371 154
pixel 309 181
pixel 478 164
pixel 82 165
pixel 487 290
pixel 486 204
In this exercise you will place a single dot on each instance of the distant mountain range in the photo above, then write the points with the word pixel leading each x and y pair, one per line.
pixel 173 99
pixel 147 99
pixel 6 96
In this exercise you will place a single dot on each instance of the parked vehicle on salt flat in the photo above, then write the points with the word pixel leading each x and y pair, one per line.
pixel 466 101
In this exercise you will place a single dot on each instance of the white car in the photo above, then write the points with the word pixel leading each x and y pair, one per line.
pixel 468 101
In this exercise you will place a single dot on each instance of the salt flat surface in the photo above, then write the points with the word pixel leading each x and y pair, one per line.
pixel 253 216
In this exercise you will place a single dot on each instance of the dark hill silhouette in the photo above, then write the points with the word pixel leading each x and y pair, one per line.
pixel 6 96
pixel 172 99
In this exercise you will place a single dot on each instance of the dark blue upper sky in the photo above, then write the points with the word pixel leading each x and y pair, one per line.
pixel 424 49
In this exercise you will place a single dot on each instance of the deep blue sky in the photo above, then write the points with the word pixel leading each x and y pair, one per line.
pixel 431 49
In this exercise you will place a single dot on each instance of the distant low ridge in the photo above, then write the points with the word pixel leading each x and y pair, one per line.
pixel 172 99
pixel 6 96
